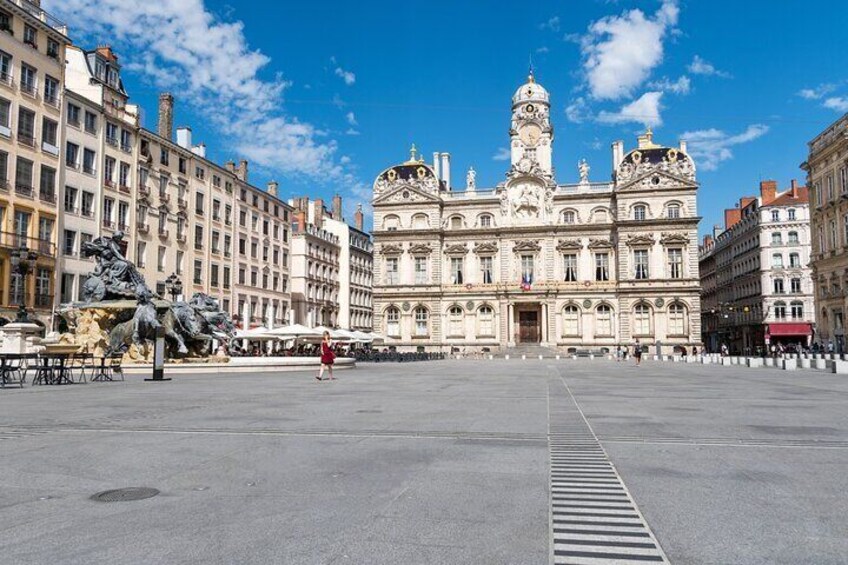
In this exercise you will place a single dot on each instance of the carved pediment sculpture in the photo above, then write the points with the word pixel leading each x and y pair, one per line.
pixel 404 192
pixel 674 238
pixel 483 248
pixel 636 240
pixel 420 249
pixel 527 245
pixel 456 249
pixel 600 244
pixel 568 244
pixel 391 249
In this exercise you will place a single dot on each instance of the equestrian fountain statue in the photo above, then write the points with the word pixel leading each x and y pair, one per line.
pixel 120 314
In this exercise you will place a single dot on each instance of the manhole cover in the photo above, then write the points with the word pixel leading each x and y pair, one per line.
pixel 125 494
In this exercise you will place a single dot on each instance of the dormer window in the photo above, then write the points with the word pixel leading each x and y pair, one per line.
pixel 52 48
pixel 99 69
pixel 5 22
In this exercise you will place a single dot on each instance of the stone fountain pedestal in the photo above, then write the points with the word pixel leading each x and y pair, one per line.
pixel 20 337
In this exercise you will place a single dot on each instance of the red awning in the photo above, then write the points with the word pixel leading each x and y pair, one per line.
pixel 790 329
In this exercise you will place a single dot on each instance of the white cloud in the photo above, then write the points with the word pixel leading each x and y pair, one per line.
pixel 620 51
pixel 818 92
pixel 502 154
pixel 552 24
pixel 180 45
pixel 680 86
pixel 699 66
pixel 838 103
pixel 644 110
pixel 351 119
pixel 348 77
pixel 352 131
pixel 542 49
pixel 578 111
pixel 709 147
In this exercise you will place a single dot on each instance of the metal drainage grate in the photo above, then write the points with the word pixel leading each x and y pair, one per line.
pixel 125 494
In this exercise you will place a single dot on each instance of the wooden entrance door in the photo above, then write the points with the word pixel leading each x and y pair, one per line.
pixel 528 326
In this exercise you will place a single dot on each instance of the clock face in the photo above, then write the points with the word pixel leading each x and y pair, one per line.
pixel 530 134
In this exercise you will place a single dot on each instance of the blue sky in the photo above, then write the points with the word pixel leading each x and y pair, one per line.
pixel 323 95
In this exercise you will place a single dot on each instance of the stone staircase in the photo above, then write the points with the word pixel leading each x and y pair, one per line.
pixel 532 351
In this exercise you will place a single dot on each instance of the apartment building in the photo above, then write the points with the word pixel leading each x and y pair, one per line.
pixel 316 268
pixel 757 288
pixel 356 265
pixel 101 130
pixel 827 177
pixel 32 55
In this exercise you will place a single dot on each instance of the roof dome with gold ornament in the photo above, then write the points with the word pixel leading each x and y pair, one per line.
pixel 531 91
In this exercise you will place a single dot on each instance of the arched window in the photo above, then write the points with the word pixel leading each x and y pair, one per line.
pixel 485 221
pixel 642 320
pixel 776 238
pixel 391 223
pixel 797 310
pixel 571 321
pixel 569 217
pixel 673 211
pixel 793 237
pixel 455 322
pixel 420 221
pixel 486 320
pixel 777 261
pixel 640 212
pixel 393 322
pixel 456 223
pixel 677 319
pixel 795 260
pixel 780 310
pixel 422 319
pixel 600 216
pixel 603 320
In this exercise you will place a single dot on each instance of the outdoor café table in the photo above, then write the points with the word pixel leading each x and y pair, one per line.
pixel 52 369
pixel 102 372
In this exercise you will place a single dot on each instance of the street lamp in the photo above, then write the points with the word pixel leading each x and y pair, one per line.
pixel 23 262
pixel 174 286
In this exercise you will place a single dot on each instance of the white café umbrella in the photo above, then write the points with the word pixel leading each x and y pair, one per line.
pixel 294 331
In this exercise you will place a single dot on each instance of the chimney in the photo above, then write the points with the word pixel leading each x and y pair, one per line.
pixel 300 219
pixel 617 154
pixel 794 185
pixel 446 170
pixel 319 213
pixel 273 188
pixel 716 230
pixel 337 207
pixel 357 217
pixel 199 150
pixel 732 217
pixel 683 145
pixel 242 170
pixel 166 116
pixel 184 137
pixel 768 190
pixel 230 166
pixel 436 165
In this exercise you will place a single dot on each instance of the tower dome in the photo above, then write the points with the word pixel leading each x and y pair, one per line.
pixel 530 91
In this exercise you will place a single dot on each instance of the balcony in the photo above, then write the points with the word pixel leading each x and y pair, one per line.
pixel 124 227
pixel 10 240
pixel 108 224
pixel 29 89
pixel 4 185
pixel 163 233
pixel 48 196
pixel 88 212
pixel 164 197
pixel 88 169
pixel 182 203
pixel 111 141
pixel 109 183
pixel 143 228
pixel 143 189
pixel 124 188
pixel 51 100
pixel 181 237
pixel 23 189
pixel 7 80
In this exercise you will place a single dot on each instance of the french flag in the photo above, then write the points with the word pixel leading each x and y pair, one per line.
pixel 526 281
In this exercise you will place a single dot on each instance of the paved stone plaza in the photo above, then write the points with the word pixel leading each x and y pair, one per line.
pixel 439 462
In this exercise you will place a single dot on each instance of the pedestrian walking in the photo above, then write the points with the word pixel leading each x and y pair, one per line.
pixel 327 358
pixel 637 352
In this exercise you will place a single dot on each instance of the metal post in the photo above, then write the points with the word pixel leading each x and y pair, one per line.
pixel 159 356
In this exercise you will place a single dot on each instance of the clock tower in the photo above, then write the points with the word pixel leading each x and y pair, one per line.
pixel 531 134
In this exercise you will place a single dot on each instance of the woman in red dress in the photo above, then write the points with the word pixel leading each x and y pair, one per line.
pixel 327 357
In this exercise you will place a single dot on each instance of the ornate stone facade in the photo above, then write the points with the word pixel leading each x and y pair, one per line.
pixel 587 265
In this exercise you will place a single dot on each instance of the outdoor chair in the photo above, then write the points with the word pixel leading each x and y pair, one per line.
pixel 115 368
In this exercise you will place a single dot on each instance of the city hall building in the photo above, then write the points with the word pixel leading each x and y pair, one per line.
pixel 585 265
